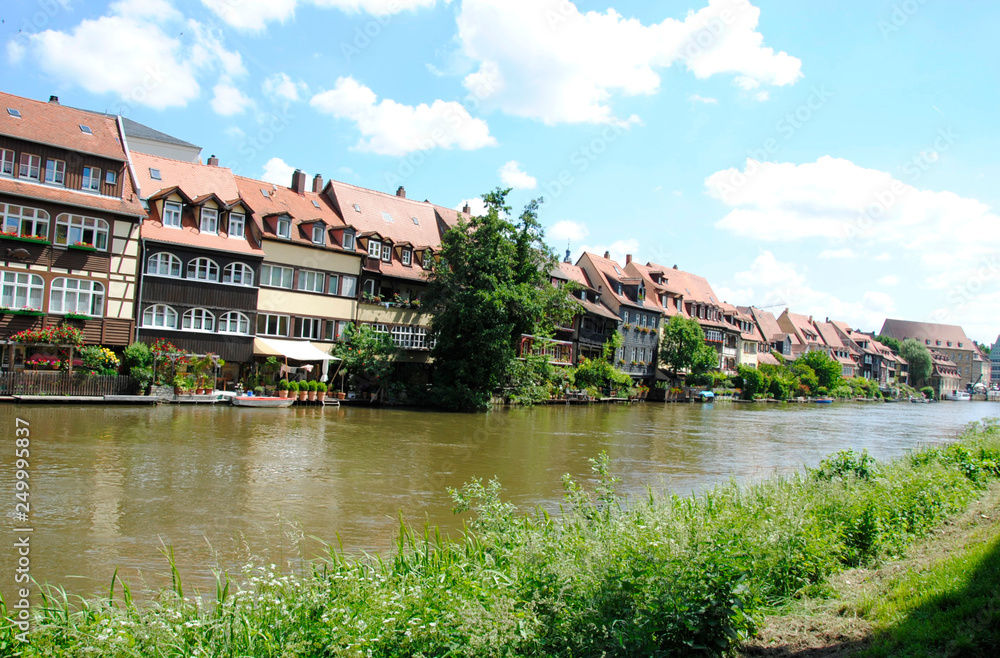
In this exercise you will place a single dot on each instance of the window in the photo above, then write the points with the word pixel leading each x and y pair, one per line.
pixel 155 174
pixel 163 264
pixel 387 217
pixel 415 221
pixel 24 221
pixel 406 256
pixel 642 319
pixel 625 317
pixel 335 330
pixel 209 220
pixel 203 269
pixel 238 274
pixel 14 113
pixel 198 319
pixel 22 290
pixel 428 258
pixel 172 214
pixel 284 227
pixel 371 287
pixel 269 324
pixel 74 229
pixel 29 166
pixel 237 225
pixel 110 177
pixel 310 281
pixel 318 232
pixel 86 130
pixel 6 162
pixel 333 284
pixel 159 316
pixel 403 337
pixel 357 208
pixel 309 328
pixel 349 240
pixel 374 248
pixel 234 322
pixel 315 203
pixel 635 353
pixel 91 179
pixel 275 275
pixel 349 286
pixel 386 252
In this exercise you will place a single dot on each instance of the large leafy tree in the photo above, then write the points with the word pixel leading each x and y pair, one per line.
pixel 889 341
pixel 919 359
pixel 366 357
pixel 489 287
pixel 827 368
pixel 683 347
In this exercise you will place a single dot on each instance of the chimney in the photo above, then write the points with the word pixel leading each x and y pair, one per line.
pixel 213 161
pixel 628 258
pixel 317 183
pixel 401 192
pixel 607 254
pixel 54 100
pixel 675 267
pixel 298 182
pixel 467 209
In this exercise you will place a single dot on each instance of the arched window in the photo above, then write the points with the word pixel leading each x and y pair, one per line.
pixel 234 322
pixel 27 222
pixel 76 229
pixel 77 296
pixel 198 319
pixel 203 269
pixel 239 274
pixel 22 290
pixel 164 263
pixel 159 316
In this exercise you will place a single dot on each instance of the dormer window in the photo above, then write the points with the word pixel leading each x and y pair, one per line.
pixel 172 214
pixel 349 240
pixel 406 257
pixel 318 234
pixel 283 228
pixel 386 253
pixel 237 225
pixel 209 220
pixel 374 248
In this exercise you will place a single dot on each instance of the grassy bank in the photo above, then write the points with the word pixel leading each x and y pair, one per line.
pixel 658 576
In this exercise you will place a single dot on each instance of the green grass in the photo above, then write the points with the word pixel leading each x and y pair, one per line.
pixel 659 576
pixel 950 609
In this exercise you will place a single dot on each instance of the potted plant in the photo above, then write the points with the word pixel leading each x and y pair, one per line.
pixel 311 391
pixel 321 391
pixel 341 395
pixel 258 391
pixel 179 384
pixel 292 390
pixel 283 388
pixel 303 391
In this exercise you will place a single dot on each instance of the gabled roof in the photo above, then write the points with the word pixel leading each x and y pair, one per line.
pixel 283 201
pixel 128 205
pixel 923 331
pixel 195 179
pixel 575 273
pixel 57 125
pixel 766 322
pixel 828 333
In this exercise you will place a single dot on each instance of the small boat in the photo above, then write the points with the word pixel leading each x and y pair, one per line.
pixel 957 396
pixel 823 400
pixel 706 396
pixel 262 402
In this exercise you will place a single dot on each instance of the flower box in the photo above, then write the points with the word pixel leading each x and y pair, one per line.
pixel 22 311
pixel 76 316
pixel 26 238
pixel 82 247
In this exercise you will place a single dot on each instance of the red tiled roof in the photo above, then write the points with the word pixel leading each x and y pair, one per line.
pixel 766 322
pixel 767 358
pixel 829 334
pixel 606 268
pixel 196 180
pixel 576 273
pixel 923 331
pixel 57 125
pixel 128 206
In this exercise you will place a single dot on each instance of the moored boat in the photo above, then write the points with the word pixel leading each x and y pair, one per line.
pixel 262 402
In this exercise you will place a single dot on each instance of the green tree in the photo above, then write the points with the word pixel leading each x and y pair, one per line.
pixel 683 347
pixel 889 341
pixel 827 369
pixel 367 357
pixel 754 382
pixel 600 373
pixel 919 359
pixel 490 287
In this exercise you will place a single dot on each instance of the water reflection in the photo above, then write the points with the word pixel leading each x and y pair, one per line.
pixel 110 485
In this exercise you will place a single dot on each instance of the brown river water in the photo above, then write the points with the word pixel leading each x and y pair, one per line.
pixel 111 486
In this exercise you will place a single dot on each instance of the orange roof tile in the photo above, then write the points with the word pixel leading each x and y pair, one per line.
pixel 128 206
pixel 51 123
pixel 194 179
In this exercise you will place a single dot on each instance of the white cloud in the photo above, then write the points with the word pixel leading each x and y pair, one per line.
pixel 618 249
pixel 697 98
pixel 235 132
pixel 834 254
pixel 889 280
pixel 762 96
pixel 391 128
pixel 278 171
pixel 149 67
pixel 513 176
pixel 282 86
pixel 254 15
pixel 884 257
pixel 547 60
pixel 567 230
pixel 228 100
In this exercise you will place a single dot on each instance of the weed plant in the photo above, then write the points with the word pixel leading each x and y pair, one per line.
pixel 659 576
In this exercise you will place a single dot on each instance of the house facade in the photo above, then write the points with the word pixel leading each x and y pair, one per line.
pixel 946 379
pixel 70 223
pixel 594 323
pixel 201 260
pixel 946 339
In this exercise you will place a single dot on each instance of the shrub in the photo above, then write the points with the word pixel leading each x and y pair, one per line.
pixel 137 355
pixel 321 387
pixel 928 392
pixel 293 386
pixel 258 390
pixel 282 384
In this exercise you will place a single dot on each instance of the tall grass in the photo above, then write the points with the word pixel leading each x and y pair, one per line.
pixel 658 576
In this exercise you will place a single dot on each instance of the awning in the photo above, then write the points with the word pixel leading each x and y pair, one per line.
pixel 300 350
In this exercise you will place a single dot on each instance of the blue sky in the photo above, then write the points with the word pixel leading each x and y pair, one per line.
pixel 836 158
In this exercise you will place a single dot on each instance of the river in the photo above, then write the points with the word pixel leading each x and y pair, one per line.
pixel 110 486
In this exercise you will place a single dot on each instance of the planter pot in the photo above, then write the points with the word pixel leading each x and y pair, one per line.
pixel 177 391
pixel 303 395
pixel 341 395
pixel 320 395
pixel 312 396
pixel 282 394
pixel 199 391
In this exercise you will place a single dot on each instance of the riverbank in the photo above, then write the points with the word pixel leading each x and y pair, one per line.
pixel 687 575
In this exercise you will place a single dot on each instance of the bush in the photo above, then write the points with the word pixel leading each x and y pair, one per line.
pixel 321 387
pixel 258 390
pixel 99 360
pixel 293 387
pixel 136 355
pixel 143 375
pixel 282 384
pixel 928 392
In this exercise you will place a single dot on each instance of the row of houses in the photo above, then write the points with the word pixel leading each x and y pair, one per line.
pixel 123 231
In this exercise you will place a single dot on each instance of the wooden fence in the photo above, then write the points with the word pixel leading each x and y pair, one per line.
pixel 43 382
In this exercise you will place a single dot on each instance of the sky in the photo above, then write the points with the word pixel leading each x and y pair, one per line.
pixel 837 159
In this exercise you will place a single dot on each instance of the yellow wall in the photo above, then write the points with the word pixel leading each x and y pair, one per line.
pixel 284 253
pixel 290 302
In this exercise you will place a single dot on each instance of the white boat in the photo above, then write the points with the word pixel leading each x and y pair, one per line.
pixel 254 401
pixel 958 396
